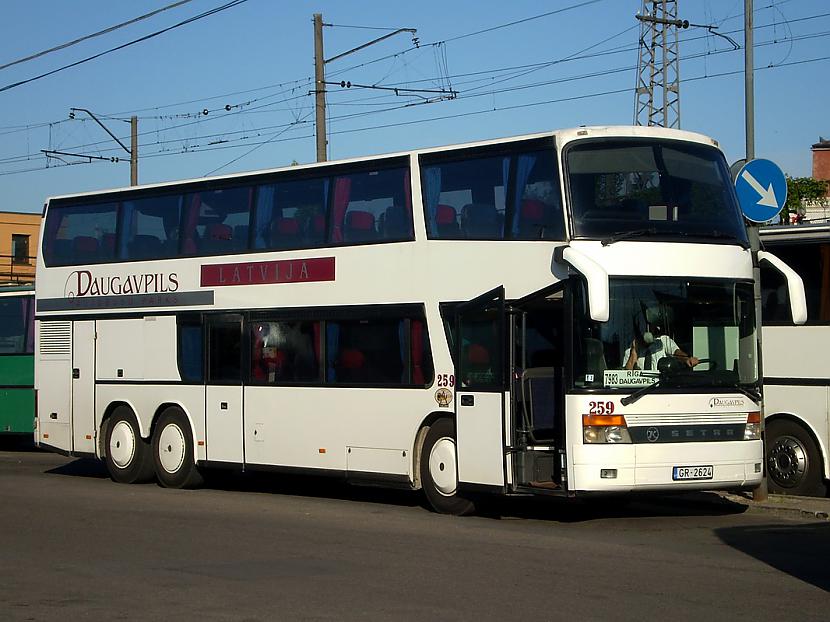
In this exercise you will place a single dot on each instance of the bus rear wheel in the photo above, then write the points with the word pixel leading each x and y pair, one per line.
pixel 794 465
pixel 128 457
pixel 439 473
pixel 173 453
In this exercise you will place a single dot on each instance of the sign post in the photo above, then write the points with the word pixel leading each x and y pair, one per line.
pixel 762 192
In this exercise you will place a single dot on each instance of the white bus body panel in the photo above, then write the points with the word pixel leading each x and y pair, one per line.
pixel 799 353
pixel 224 424
pixel 53 381
pixel 137 349
pixel 334 428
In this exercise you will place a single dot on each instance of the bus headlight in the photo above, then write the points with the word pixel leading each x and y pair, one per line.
pixel 752 431
pixel 605 429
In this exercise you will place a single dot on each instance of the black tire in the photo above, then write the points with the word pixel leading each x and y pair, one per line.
pixel 173 454
pixel 128 456
pixel 794 464
pixel 438 468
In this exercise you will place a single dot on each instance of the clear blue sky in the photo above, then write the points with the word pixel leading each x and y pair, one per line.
pixel 574 67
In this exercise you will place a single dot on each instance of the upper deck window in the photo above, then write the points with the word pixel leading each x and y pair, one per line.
pixel 340 205
pixel 476 195
pixel 150 228
pixel 631 187
pixel 216 222
pixel 81 234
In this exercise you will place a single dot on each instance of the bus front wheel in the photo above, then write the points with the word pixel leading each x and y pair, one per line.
pixel 794 464
pixel 439 473
pixel 128 456
pixel 173 453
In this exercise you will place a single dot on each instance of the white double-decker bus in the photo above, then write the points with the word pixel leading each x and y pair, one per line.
pixel 563 313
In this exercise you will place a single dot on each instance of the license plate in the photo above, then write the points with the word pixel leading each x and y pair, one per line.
pixel 686 473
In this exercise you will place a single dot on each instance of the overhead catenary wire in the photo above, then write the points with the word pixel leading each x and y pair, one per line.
pixel 105 31
pixel 190 20
pixel 516 87
pixel 449 117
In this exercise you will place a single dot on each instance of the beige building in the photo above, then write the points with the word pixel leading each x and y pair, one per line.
pixel 18 247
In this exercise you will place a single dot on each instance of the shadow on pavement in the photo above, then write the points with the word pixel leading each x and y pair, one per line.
pixel 495 508
pixel 801 551
pixel 17 442
pixel 82 467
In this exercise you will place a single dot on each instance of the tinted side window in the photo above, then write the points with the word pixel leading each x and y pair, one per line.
pixel 383 351
pixel 812 262
pixel 191 349
pixel 495 197
pixel 285 352
pixel 78 234
pixel 216 222
pixel 371 206
pixel 150 228
pixel 291 214
pixel 17 325
pixel 225 351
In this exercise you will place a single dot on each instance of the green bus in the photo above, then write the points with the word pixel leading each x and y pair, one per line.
pixel 17 339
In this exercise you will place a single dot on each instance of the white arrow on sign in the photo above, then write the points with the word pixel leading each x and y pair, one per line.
pixel 767 196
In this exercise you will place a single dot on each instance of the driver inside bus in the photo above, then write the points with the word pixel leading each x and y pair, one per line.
pixel 655 344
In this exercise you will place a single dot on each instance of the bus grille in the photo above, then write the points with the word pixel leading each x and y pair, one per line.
pixel 685 419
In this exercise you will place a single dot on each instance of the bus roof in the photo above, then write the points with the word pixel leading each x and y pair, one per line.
pixel 10 290
pixel 810 231
pixel 563 136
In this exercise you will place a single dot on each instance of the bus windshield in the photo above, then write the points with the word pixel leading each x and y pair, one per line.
pixel 621 189
pixel 684 333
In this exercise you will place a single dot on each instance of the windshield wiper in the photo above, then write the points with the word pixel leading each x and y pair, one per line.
pixel 637 233
pixel 627 235
pixel 633 397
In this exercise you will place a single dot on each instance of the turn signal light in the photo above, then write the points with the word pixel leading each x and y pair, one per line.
pixel 752 431
pixel 605 429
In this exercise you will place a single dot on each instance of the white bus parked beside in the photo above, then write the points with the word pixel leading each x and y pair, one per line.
pixel 563 313
pixel 796 367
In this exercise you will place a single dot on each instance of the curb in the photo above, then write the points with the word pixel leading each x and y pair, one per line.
pixel 801 508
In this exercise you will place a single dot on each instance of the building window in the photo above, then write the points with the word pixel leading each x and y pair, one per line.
pixel 20 249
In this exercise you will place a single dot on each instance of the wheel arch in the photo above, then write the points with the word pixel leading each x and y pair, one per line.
pixel 795 419
pixel 418 445
pixel 105 419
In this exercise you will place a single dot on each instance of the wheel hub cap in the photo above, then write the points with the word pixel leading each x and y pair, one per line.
pixel 442 466
pixel 787 462
pixel 171 448
pixel 122 444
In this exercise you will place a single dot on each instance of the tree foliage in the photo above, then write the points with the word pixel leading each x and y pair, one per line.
pixel 800 189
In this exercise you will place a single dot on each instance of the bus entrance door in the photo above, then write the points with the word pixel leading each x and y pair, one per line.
pixel 538 396
pixel 223 393
pixel 480 395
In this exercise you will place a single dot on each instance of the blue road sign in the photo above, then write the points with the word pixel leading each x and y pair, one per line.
pixel 762 190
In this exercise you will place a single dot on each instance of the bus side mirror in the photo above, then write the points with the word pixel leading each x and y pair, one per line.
pixel 595 275
pixel 795 286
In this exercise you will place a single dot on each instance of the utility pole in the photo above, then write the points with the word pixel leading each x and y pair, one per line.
pixel 133 143
pixel 320 77
pixel 319 89
pixel 657 96
pixel 761 492
pixel 133 151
